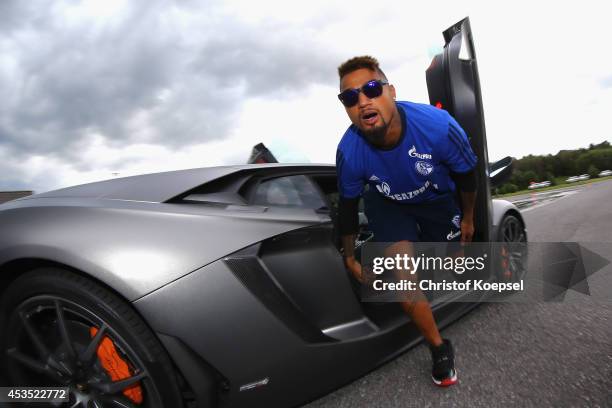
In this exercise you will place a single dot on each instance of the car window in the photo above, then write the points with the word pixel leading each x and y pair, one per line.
pixel 288 191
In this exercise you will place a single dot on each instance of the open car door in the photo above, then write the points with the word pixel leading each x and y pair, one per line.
pixel 453 85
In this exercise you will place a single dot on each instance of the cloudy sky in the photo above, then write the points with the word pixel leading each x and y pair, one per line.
pixel 97 89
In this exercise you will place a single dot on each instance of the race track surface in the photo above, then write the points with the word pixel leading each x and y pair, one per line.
pixel 523 355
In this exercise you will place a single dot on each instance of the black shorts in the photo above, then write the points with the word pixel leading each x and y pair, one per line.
pixel 431 221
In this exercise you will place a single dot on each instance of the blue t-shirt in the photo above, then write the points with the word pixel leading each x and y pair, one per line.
pixel 417 168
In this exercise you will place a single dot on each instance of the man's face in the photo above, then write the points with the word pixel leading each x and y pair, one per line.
pixel 371 116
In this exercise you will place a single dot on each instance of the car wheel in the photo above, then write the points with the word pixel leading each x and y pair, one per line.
pixel 513 250
pixel 61 329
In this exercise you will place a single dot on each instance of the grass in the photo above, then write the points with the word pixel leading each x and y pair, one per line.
pixel 556 187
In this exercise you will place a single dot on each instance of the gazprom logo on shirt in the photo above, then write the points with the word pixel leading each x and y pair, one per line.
pixel 452 235
pixel 423 156
pixel 408 195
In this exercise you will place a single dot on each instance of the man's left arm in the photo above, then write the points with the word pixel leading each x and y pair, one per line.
pixel 461 160
pixel 468 199
pixel 467 185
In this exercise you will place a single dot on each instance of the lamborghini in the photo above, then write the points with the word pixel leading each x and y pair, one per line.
pixel 213 287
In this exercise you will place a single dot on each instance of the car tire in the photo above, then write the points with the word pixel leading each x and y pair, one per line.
pixel 511 229
pixel 54 325
pixel 513 251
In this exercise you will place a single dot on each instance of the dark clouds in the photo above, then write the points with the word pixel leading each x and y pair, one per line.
pixel 270 61
pixel 157 73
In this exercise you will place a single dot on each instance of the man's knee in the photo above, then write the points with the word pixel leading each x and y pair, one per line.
pixel 400 248
pixel 411 304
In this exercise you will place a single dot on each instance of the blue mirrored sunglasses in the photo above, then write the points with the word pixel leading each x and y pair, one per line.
pixel 371 89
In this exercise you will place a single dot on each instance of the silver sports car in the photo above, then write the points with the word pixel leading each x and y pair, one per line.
pixel 212 287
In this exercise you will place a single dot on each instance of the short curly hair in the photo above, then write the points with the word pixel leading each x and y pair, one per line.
pixel 363 61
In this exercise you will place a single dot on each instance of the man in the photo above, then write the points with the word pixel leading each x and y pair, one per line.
pixel 408 154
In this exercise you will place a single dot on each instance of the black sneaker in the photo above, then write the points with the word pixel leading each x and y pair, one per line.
pixel 443 372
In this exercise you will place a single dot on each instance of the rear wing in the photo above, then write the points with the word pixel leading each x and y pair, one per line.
pixel 261 154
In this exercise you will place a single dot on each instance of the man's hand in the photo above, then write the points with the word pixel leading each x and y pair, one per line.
pixel 468 202
pixel 355 268
pixel 467 230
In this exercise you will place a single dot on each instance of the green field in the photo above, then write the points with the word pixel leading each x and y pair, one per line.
pixel 556 187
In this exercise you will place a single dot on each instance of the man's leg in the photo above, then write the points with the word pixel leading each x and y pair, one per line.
pixel 396 224
pixel 416 304
pixel 441 222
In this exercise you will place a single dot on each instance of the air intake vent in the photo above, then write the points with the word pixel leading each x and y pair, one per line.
pixel 254 277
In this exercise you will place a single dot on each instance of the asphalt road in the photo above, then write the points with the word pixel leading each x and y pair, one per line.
pixel 523 355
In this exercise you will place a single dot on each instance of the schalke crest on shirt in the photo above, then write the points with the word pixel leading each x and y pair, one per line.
pixel 456 221
pixel 423 167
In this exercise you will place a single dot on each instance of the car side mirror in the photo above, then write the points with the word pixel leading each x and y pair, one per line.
pixel 500 171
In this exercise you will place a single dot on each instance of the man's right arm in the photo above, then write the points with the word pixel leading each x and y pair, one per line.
pixel 350 186
pixel 348 226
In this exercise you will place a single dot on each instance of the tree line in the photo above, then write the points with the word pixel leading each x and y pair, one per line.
pixel 557 168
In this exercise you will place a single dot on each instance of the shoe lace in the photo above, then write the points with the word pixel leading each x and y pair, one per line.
pixel 443 361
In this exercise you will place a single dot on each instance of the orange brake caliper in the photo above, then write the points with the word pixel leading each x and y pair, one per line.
pixel 116 367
